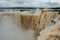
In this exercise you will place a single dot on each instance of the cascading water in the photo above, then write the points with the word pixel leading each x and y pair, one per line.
pixel 26 25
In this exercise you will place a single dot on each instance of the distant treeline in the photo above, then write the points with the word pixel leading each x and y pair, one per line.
pixel 20 8
pixel 28 8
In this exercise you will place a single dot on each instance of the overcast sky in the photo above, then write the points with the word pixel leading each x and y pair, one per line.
pixel 29 3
